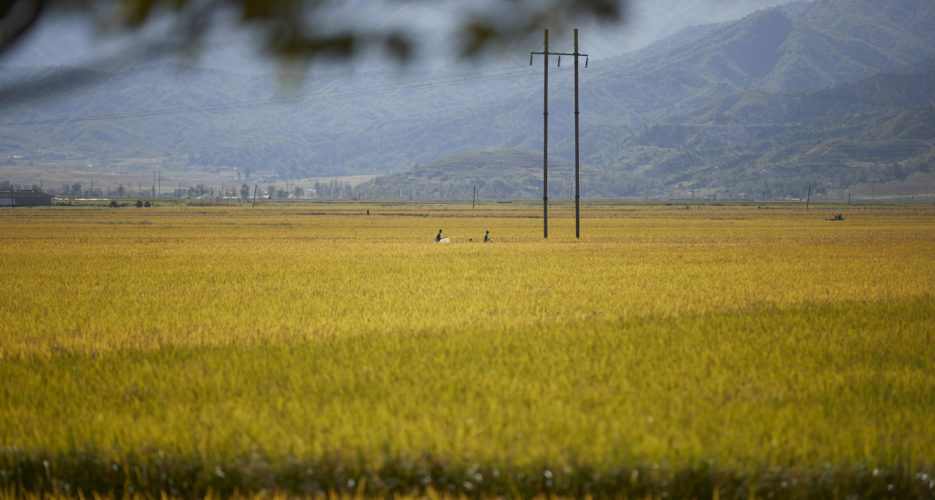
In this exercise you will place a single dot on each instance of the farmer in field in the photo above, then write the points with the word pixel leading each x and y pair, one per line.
pixel 438 237
pixel 487 236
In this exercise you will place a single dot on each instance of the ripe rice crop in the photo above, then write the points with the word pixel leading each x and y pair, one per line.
pixel 715 351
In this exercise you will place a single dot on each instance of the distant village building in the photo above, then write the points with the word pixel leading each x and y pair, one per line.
pixel 26 198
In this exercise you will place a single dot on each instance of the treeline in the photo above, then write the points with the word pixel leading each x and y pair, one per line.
pixel 605 184
pixel 7 185
pixel 333 189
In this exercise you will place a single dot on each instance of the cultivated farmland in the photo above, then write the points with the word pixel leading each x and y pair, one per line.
pixel 674 351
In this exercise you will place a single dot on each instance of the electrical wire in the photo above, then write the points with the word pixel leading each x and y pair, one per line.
pixel 325 96
pixel 332 95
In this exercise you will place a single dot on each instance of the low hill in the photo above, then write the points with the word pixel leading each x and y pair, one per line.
pixel 498 174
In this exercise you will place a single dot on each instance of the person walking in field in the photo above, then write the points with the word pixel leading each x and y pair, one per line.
pixel 487 236
pixel 442 239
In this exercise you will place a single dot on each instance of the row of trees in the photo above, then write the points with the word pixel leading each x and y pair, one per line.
pixel 7 185
pixel 324 190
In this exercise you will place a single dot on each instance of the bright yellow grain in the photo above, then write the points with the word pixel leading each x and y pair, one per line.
pixel 742 336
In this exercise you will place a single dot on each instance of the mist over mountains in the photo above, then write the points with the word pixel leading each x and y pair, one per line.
pixel 828 93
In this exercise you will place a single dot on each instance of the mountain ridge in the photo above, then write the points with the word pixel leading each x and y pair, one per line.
pixel 244 127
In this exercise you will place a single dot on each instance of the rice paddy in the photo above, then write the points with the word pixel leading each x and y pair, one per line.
pixel 673 351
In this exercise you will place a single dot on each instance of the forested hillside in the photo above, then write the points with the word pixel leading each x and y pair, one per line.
pixel 758 144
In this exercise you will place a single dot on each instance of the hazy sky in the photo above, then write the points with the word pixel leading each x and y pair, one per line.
pixel 70 42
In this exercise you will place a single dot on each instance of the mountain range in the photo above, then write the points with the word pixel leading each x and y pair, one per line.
pixel 826 93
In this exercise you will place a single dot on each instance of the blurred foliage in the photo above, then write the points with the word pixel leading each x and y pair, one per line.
pixel 303 30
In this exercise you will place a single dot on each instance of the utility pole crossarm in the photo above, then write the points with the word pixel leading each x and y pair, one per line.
pixel 558 54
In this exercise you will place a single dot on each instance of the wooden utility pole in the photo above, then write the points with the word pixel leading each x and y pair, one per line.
pixel 545 134
pixel 577 183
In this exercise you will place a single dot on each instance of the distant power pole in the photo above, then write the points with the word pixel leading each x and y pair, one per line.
pixel 545 133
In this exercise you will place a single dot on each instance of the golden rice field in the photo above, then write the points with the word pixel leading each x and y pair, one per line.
pixel 671 352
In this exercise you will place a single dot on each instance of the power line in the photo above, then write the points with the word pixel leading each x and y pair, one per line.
pixel 427 83
pixel 323 96
pixel 642 75
pixel 822 94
